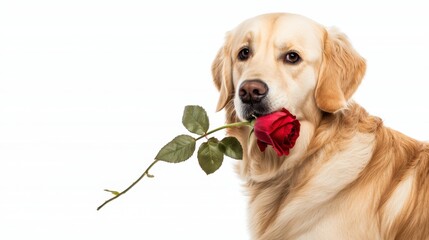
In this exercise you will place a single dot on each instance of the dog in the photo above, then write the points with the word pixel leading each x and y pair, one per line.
pixel 348 176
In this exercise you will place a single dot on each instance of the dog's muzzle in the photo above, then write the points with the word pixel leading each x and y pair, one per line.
pixel 253 97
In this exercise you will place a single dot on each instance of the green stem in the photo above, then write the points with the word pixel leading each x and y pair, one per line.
pixel 231 125
pixel 146 172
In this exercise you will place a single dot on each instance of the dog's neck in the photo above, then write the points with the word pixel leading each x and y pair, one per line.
pixel 260 166
pixel 263 166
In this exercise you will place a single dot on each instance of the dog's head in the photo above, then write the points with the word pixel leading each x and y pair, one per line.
pixel 284 60
pixel 276 61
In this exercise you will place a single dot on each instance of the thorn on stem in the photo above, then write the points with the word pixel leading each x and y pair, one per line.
pixel 149 175
pixel 116 193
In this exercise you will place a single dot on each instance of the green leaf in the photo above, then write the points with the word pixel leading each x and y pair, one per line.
pixel 210 157
pixel 231 147
pixel 178 150
pixel 195 119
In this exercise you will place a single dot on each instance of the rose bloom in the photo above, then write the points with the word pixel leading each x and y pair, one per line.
pixel 278 129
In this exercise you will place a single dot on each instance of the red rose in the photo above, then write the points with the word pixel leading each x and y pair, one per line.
pixel 279 129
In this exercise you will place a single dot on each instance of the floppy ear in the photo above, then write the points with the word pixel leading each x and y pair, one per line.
pixel 341 72
pixel 222 74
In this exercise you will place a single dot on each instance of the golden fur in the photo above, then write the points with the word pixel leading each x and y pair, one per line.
pixel 348 176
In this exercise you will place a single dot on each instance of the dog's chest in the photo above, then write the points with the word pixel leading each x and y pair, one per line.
pixel 312 208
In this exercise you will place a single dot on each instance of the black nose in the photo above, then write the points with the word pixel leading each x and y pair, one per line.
pixel 252 91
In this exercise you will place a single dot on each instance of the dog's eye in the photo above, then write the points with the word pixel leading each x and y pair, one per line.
pixel 292 58
pixel 244 54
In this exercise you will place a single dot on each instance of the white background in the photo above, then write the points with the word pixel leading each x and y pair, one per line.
pixel 91 90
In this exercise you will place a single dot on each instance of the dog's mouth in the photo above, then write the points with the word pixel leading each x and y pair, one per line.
pixel 252 111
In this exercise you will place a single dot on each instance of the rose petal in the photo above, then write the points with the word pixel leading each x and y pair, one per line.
pixel 262 146
pixel 286 111
pixel 278 141
pixel 288 134
pixel 291 139
pixel 265 123
pixel 295 133
pixel 282 121
pixel 279 129
pixel 279 149
pixel 262 136
pixel 278 123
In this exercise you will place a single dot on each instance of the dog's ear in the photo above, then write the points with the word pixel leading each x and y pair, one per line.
pixel 222 74
pixel 341 72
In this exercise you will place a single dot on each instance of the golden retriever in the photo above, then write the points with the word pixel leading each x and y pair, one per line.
pixel 348 176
